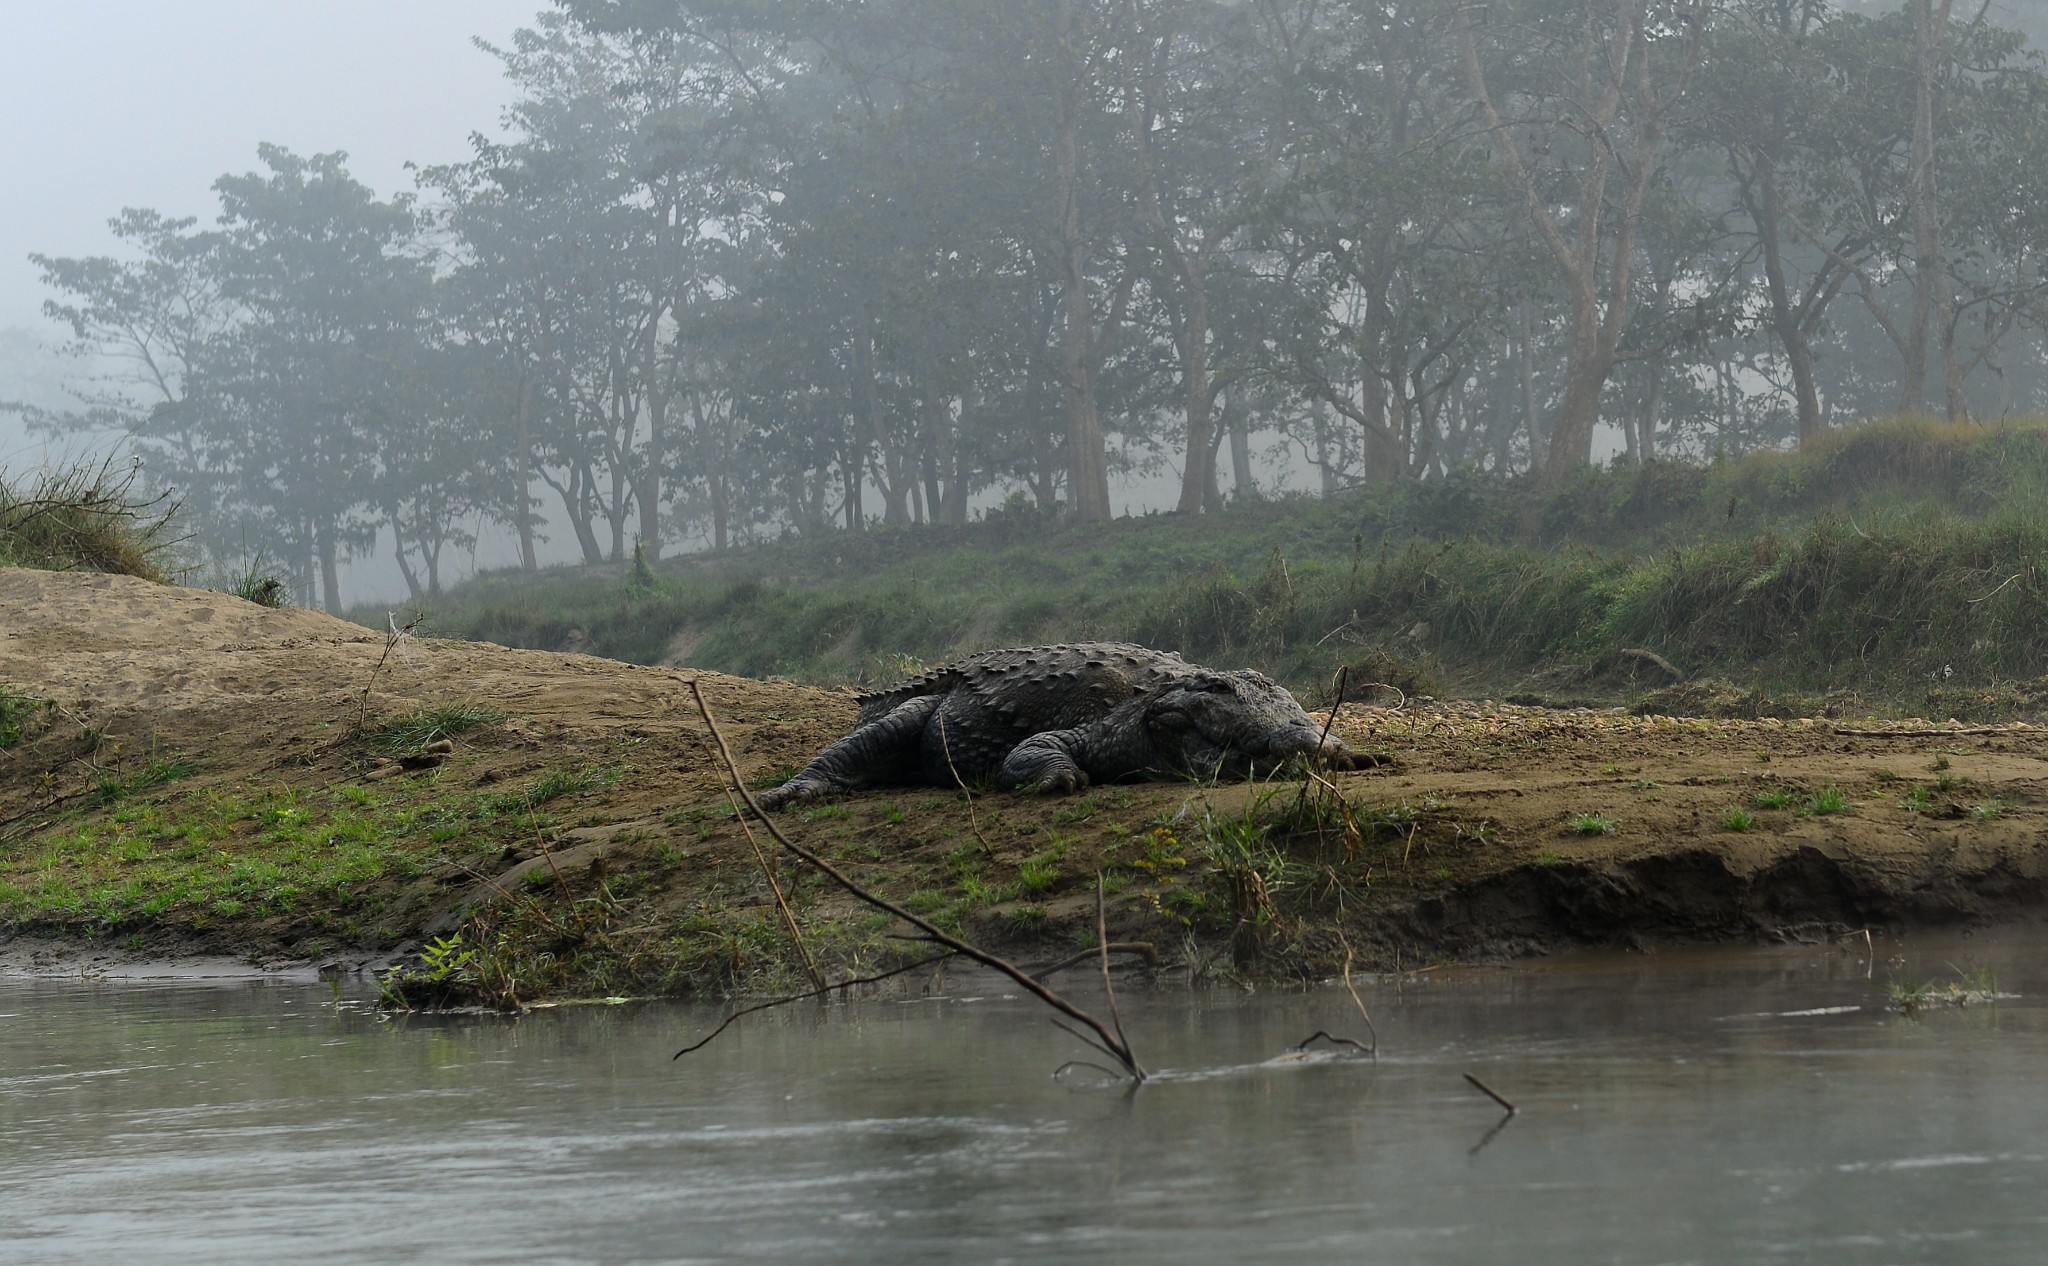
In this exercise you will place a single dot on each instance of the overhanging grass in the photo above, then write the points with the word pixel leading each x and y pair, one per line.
pixel 84 518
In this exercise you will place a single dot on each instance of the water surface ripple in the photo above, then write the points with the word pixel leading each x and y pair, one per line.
pixel 1711 1106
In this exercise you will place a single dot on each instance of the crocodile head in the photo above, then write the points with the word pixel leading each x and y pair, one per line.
pixel 1233 724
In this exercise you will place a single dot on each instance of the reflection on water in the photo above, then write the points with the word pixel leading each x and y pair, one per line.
pixel 1732 1106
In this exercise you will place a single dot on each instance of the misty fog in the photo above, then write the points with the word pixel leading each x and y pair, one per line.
pixel 384 306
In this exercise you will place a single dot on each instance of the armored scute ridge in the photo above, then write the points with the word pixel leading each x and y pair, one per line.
pixel 1056 718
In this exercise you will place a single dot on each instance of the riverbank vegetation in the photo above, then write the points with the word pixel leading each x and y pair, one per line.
pixel 1894 566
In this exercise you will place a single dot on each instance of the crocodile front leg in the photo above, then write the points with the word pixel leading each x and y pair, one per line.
pixel 1048 762
pixel 884 750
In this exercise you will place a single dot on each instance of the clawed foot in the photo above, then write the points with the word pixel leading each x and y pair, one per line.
pixel 1062 782
pixel 795 791
pixel 1357 760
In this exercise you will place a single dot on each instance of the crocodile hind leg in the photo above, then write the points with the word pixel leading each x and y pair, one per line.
pixel 884 750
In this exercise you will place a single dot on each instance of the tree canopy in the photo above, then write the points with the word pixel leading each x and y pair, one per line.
pixel 742 268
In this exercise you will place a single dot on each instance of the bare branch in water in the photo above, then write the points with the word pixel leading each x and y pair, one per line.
pixel 1111 1043
pixel 1492 1094
pixel 796 937
pixel 1328 1036
pixel 799 997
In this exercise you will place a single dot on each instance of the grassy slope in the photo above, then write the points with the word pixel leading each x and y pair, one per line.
pixel 1898 562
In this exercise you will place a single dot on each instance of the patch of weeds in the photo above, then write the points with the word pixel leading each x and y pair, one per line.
pixel 895 814
pixel 1736 818
pixel 1918 800
pixel 1186 901
pixel 1884 775
pixel 1946 783
pixel 571 779
pixel 980 891
pixel 1938 764
pixel 823 812
pixel 1777 798
pixel 1077 811
pixel 110 786
pixel 925 901
pixel 1028 918
pixel 21 712
pixel 1986 810
pixel 1593 824
pixel 1643 784
pixel 1037 874
pixel 1250 872
pixel 408 732
pixel 1548 859
pixel 1828 799
pixel 1968 989
pixel 1163 851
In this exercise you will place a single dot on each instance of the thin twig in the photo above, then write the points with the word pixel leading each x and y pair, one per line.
pixel 1102 940
pixel 1356 1001
pixel 398 634
pixel 1492 1094
pixel 799 997
pixel 973 823
pixel 796 937
pixel 1113 1045
pixel 1343 680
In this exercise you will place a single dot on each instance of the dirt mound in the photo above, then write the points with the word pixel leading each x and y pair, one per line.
pixel 212 776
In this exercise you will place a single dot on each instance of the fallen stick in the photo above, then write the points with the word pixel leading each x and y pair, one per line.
pixel 1492 1094
pixel 796 937
pixel 1109 1043
pixel 799 997
pixel 973 823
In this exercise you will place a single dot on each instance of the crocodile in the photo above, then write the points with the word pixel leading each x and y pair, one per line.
pixel 1056 718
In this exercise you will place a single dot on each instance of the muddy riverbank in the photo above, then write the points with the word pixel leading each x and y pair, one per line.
pixel 196 775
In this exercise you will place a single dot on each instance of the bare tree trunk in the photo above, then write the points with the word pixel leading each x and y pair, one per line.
pixel 1525 358
pixel 1087 455
pixel 1787 322
pixel 647 489
pixel 1930 270
pixel 522 475
pixel 1599 307
pixel 889 463
pixel 1243 484
pixel 412 580
pixel 330 568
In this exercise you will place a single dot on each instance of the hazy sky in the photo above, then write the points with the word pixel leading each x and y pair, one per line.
pixel 112 103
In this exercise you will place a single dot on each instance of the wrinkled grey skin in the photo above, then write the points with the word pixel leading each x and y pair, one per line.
pixel 1056 718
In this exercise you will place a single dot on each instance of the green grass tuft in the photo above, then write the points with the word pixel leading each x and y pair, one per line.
pixel 408 732
pixel 21 713
pixel 110 785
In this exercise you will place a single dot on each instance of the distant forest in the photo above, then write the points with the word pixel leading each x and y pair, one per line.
pixel 747 268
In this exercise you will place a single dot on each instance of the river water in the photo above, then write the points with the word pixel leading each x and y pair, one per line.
pixel 1701 1106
